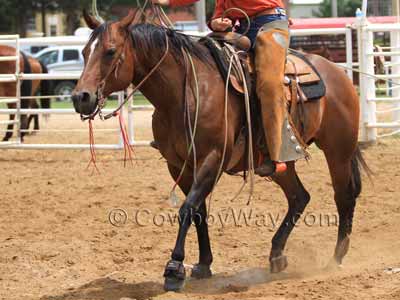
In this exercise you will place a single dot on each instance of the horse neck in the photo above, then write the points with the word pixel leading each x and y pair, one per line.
pixel 165 87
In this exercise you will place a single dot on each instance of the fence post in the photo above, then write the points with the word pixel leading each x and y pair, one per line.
pixel 349 51
pixel 18 90
pixel 395 62
pixel 367 83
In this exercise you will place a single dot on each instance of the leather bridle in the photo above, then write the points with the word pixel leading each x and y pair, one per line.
pixel 101 100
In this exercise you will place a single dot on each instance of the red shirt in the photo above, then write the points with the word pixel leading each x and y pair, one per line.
pixel 251 7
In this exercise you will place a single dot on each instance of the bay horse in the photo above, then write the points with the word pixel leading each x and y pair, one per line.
pixel 120 53
pixel 28 88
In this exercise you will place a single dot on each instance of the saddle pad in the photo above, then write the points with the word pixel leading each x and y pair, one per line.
pixel 307 76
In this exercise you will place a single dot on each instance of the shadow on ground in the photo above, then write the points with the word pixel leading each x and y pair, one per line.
pixel 111 289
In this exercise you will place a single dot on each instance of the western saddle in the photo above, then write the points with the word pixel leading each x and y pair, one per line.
pixel 302 81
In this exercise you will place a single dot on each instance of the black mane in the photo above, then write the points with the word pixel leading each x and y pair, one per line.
pixel 148 37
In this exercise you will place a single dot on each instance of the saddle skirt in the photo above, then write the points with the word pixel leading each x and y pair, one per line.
pixel 302 80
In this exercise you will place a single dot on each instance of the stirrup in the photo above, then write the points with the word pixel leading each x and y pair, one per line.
pixel 269 168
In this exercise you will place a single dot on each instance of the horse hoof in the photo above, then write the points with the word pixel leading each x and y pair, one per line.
pixel 278 264
pixel 175 275
pixel 201 271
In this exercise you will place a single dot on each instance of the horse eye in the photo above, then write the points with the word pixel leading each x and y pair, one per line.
pixel 111 52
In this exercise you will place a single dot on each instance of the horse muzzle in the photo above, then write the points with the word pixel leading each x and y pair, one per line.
pixel 85 103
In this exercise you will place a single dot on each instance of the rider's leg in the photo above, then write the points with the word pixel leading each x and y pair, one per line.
pixel 270 59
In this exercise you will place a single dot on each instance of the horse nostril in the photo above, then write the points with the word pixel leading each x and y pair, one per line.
pixel 85 97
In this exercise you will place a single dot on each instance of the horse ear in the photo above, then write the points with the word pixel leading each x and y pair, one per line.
pixel 126 21
pixel 91 21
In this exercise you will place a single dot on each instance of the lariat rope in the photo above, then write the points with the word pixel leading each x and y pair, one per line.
pixel 128 148
pixel 93 157
pixel 96 12
pixel 165 21
pixel 159 12
pixel 192 132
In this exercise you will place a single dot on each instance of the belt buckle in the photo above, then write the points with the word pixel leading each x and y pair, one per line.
pixel 280 11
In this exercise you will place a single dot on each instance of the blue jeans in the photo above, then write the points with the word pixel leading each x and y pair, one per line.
pixel 256 24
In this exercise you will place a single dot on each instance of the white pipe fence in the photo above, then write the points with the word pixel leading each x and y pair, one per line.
pixel 369 99
pixel 16 42
pixel 368 89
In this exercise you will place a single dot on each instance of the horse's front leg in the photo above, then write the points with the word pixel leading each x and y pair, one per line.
pixel 10 129
pixel 193 209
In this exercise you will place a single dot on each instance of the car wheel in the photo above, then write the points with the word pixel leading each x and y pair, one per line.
pixel 64 88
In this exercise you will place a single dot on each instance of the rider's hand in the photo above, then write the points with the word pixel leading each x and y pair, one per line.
pixel 161 2
pixel 221 24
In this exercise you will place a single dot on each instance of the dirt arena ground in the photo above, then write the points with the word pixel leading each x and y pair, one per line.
pixel 57 243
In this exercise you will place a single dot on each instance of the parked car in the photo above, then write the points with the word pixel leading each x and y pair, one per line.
pixel 62 59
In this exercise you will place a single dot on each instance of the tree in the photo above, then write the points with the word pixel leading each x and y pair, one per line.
pixel 73 11
pixel 346 8
pixel 15 14
pixel 7 23
pixel 43 6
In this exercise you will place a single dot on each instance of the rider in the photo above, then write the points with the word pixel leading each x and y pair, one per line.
pixel 269 34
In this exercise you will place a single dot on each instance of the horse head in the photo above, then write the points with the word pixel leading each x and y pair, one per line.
pixel 108 63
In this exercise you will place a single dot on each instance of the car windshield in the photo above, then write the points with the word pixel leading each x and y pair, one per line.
pixel 48 58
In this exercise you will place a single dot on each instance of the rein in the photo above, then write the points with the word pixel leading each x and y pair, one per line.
pixel 114 69
pixel 137 87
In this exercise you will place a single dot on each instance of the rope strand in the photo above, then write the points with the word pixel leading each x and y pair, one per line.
pixel 93 157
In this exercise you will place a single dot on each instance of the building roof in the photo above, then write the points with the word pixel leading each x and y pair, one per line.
pixel 314 23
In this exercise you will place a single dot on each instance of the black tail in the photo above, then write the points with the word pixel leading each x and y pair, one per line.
pixel 358 162
pixel 26 86
pixel 45 89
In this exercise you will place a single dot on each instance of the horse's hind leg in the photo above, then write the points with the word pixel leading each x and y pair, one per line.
pixel 347 186
pixel 298 199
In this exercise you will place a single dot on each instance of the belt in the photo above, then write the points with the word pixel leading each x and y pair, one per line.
pixel 270 11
